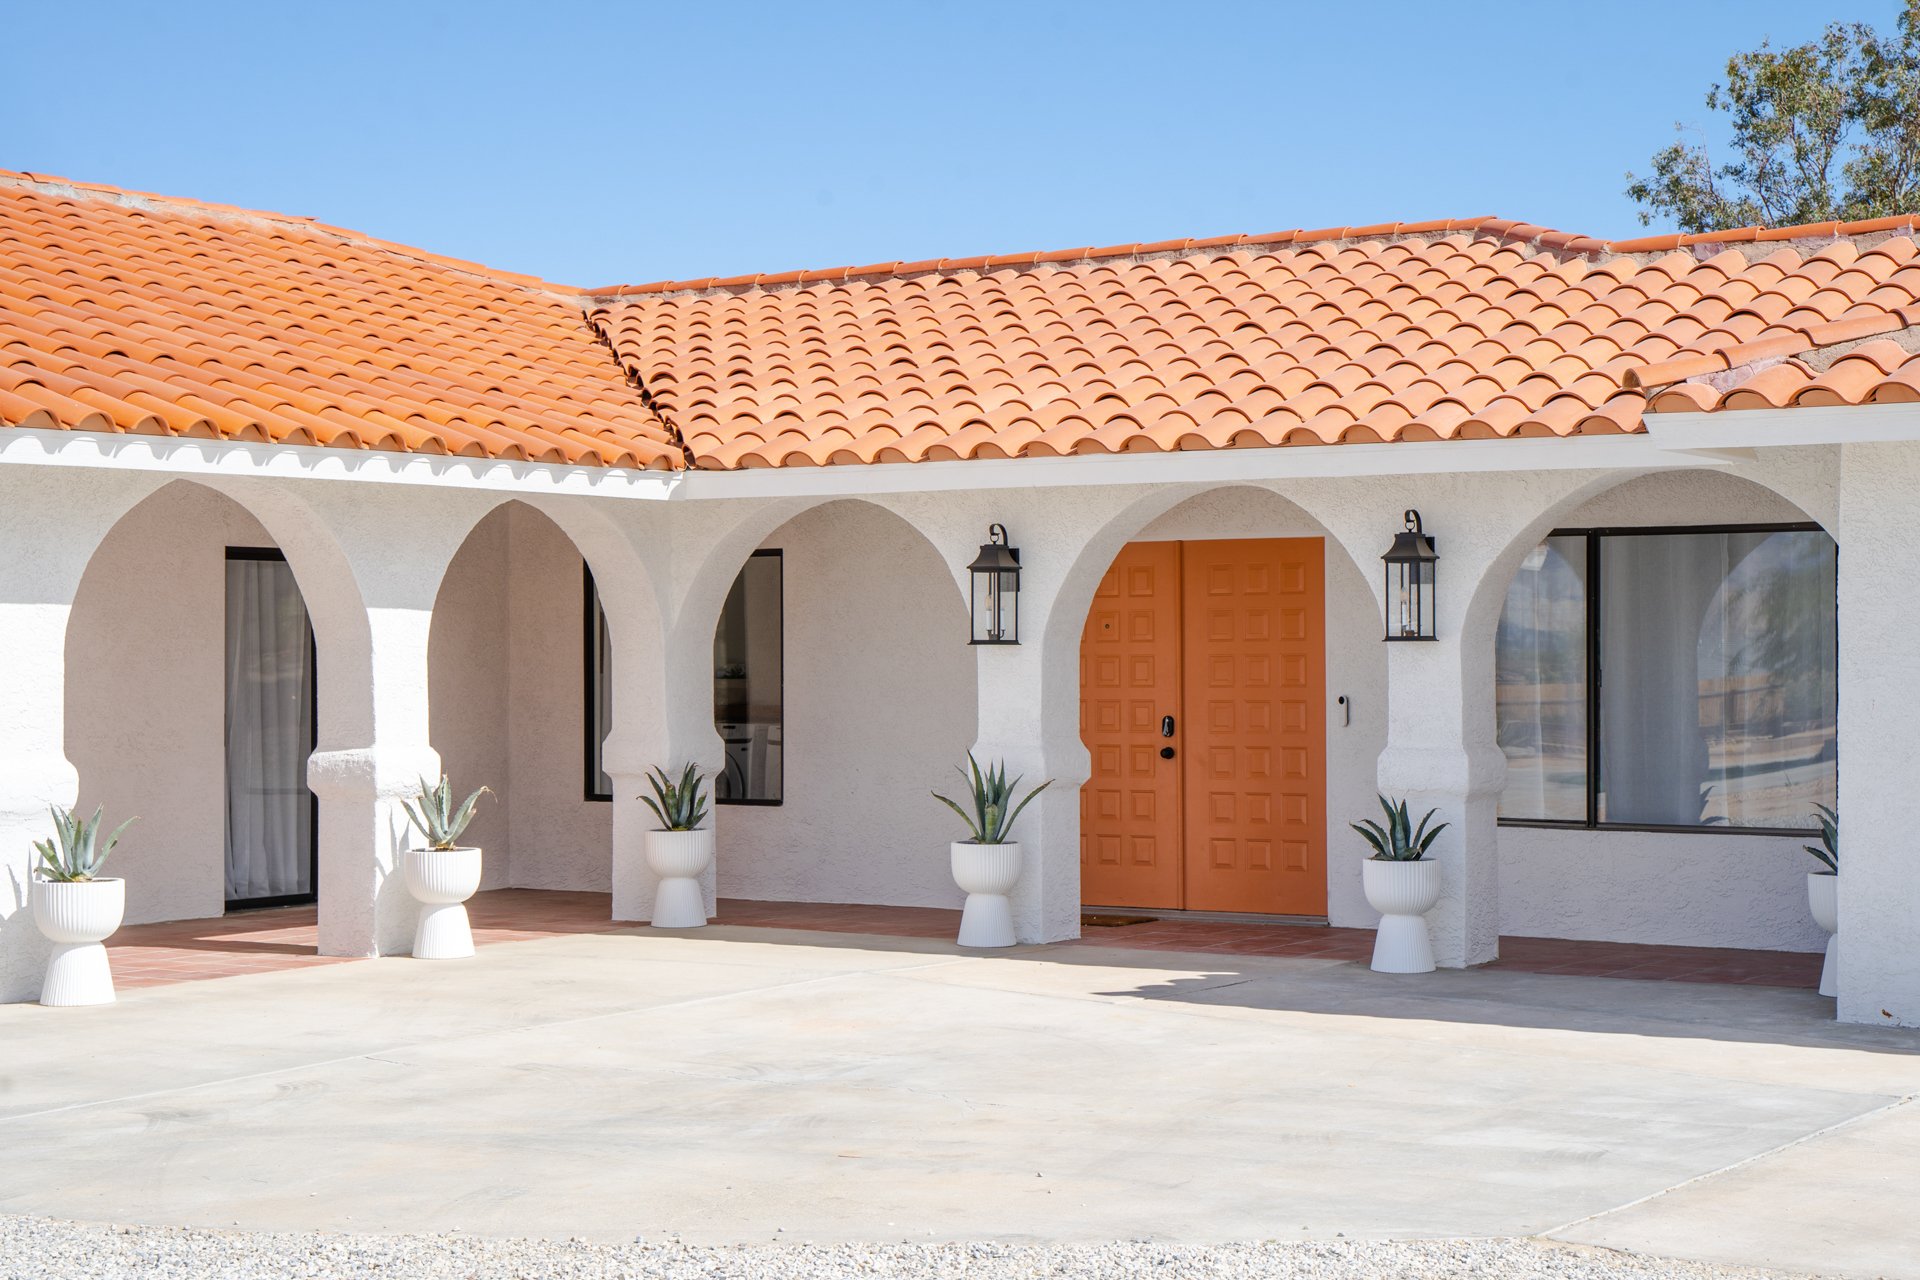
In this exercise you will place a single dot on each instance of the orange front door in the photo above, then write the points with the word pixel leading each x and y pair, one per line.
pixel 1228 639
pixel 1129 679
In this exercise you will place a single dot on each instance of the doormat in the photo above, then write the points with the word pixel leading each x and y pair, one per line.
pixel 1114 922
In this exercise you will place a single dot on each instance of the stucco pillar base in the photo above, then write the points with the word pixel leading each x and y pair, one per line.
pixel 1878 972
pixel 34 774
pixel 365 909
pixel 1463 786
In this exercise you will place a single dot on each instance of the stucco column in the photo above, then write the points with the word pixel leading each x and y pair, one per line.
pixel 1012 728
pixel 1441 751
pixel 1435 758
pixel 1879 727
pixel 50 524
pixel 364 905
pixel 34 770
pixel 662 717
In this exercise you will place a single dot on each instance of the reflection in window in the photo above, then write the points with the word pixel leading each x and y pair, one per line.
pixel 748 684
pixel 599 663
pixel 1718 703
pixel 1541 684
pixel 1718 689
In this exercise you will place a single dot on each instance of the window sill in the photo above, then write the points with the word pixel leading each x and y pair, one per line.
pixel 1543 824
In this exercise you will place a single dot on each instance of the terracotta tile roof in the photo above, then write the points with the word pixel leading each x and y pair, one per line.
pixel 133 313
pixel 1431 331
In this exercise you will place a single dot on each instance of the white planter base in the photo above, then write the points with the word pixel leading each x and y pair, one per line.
pixel 77 916
pixel 1823 900
pixel 1402 945
pixel 444 932
pixel 77 974
pixel 987 921
pixel 1403 893
pixel 987 874
pixel 679 902
pixel 680 859
pixel 442 880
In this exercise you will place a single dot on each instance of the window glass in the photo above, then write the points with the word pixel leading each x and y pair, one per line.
pixel 599 696
pixel 748 684
pixel 1719 678
pixel 1540 689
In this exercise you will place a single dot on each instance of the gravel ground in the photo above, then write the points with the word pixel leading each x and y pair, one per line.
pixel 47 1249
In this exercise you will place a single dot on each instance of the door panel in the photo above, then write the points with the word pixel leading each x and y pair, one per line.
pixel 1254 692
pixel 1129 679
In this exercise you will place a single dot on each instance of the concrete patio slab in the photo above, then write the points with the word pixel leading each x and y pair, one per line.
pixel 1841 1203
pixel 740 1085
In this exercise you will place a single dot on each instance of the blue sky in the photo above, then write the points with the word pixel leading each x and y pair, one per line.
pixel 600 143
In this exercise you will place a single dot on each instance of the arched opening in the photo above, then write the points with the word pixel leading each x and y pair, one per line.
pixel 844 690
pixel 519 686
pixel 190 703
pixel 1666 700
pixel 1232 701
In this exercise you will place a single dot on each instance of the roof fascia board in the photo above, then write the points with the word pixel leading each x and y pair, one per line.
pixel 35 446
pixel 27 446
pixel 1748 429
pixel 1626 452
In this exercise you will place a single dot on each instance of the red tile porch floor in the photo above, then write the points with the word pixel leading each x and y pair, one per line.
pixel 283 938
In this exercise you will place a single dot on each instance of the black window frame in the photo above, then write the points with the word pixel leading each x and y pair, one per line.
pixel 781 606
pixel 1595 678
pixel 591 611
pixel 594 763
pixel 312 896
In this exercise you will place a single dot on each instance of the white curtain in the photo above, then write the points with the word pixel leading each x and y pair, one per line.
pixel 1718 689
pixel 269 733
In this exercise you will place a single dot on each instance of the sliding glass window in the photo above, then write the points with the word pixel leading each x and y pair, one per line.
pixel 597 660
pixel 749 695
pixel 748 687
pixel 1714 681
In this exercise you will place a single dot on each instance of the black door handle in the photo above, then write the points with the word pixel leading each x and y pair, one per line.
pixel 1166 753
pixel 1166 726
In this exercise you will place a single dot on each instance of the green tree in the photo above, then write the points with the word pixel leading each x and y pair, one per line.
pixel 1827 130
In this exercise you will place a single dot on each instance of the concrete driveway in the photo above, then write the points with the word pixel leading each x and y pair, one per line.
pixel 753 1085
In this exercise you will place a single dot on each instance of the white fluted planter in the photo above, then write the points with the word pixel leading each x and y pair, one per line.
pixel 77 916
pixel 679 858
pixel 1403 893
pixel 987 873
pixel 442 880
pixel 1823 899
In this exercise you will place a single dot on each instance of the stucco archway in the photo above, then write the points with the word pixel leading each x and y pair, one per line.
pixel 879 704
pixel 146 685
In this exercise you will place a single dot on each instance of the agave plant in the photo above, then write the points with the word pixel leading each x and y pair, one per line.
pixel 993 801
pixel 434 812
pixel 679 806
pixel 78 850
pixel 1399 840
pixel 1828 851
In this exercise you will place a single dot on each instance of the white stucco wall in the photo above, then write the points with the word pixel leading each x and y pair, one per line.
pixel 146 696
pixel 469 687
pixel 508 703
pixel 1704 889
pixel 880 707
pixel 560 839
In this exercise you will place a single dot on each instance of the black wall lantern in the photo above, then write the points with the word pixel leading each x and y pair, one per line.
pixel 1410 564
pixel 996 590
